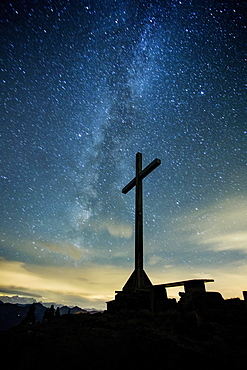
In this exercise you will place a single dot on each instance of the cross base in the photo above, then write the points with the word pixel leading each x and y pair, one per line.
pixel 137 278
pixel 152 298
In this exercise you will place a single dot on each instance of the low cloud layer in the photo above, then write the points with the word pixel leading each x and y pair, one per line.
pixel 95 285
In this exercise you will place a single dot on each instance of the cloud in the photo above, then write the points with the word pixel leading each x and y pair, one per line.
pixel 64 248
pixel 116 228
pixel 223 226
pixel 237 241
pixel 154 260
pixel 49 251
pixel 93 284
pixel 220 226
pixel 9 289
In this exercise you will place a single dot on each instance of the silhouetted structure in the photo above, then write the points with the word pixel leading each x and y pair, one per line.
pixel 139 278
pixel 30 319
pixel 139 292
pixel 245 298
pixel 57 313
pixel 49 313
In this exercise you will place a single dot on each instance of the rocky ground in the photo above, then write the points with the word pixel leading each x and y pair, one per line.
pixel 173 339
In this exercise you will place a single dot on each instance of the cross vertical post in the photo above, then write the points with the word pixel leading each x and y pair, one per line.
pixel 138 221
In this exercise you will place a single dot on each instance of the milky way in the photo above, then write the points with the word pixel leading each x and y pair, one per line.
pixel 85 85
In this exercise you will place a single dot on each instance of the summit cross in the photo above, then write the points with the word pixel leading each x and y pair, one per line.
pixel 139 278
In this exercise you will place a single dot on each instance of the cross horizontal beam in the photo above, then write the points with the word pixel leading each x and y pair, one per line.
pixel 154 164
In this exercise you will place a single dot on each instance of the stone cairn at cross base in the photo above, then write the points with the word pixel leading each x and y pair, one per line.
pixel 138 292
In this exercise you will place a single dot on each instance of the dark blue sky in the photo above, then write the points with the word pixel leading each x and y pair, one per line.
pixel 84 86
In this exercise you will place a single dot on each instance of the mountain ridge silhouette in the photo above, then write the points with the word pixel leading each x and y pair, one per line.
pixel 12 314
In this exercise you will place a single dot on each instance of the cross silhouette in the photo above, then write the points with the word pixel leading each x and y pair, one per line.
pixel 139 279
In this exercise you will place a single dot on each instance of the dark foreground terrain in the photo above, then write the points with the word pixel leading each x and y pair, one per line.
pixel 174 339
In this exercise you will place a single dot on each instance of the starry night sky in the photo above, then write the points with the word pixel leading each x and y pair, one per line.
pixel 85 85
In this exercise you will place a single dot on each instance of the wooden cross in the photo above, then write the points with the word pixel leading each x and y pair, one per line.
pixel 139 277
